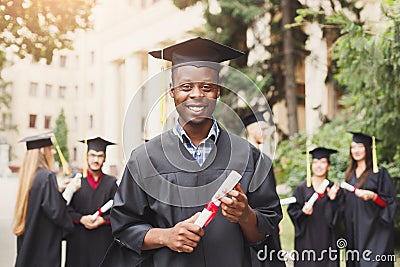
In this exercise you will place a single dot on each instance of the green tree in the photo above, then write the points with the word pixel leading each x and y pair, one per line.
pixel 368 61
pixel 38 27
pixel 61 135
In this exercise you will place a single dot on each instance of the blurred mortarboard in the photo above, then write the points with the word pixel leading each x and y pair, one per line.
pixel 364 139
pixel 37 141
pixel 197 52
pixel 252 118
pixel 97 144
pixel 322 152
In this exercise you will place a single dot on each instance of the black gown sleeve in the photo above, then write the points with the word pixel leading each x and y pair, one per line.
pixel 295 210
pixel 387 193
pixel 129 213
pixel 54 205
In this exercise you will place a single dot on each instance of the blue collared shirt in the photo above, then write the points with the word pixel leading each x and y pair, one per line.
pixel 201 152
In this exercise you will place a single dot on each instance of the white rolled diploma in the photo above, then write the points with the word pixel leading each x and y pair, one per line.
pixel 103 209
pixel 348 187
pixel 71 188
pixel 211 208
pixel 321 189
pixel 287 201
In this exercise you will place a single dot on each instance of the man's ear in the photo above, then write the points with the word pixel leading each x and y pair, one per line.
pixel 171 90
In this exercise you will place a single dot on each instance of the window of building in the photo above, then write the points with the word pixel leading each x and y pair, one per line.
pixel 74 154
pixel 92 89
pixel 62 91
pixel 76 122
pixel 33 89
pixel 32 120
pixel 92 57
pixel 47 122
pixel 91 122
pixel 63 61
pixel 48 88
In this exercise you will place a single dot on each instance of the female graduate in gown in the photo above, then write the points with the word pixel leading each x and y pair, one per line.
pixel 369 211
pixel 41 214
pixel 315 226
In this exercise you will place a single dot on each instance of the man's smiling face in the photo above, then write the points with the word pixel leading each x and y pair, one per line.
pixel 195 92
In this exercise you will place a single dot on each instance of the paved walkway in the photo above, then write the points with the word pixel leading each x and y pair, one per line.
pixel 8 243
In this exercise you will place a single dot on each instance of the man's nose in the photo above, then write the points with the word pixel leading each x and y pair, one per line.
pixel 196 92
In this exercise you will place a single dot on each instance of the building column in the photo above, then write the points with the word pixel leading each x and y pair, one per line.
pixel 158 84
pixel 316 91
pixel 111 116
pixel 132 129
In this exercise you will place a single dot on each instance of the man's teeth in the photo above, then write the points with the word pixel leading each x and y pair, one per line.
pixel 196 108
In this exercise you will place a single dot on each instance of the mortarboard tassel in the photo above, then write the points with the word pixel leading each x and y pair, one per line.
pixel 84 171
pixel 163 111
pixel 64 163
pixel 374 159
pixel 308 169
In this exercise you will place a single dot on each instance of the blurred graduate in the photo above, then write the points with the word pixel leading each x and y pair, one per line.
pixel 41 216
pixel 369 210
pixel 315 225
pixel 88 243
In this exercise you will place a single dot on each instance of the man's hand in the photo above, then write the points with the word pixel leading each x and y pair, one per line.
pixel 236 208
pixel 89 223
pixel 183 237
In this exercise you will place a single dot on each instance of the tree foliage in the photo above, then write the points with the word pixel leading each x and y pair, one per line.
pixel 61 135
pixel 368 61
pixel 38 27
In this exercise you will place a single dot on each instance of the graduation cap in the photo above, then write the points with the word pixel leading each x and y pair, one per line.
pixel 37 141
pixel 368 141
pixel 97 144
pixel 252 118
pixel 364 139
pixel 197 52
pixel 322 152
pixel 316 153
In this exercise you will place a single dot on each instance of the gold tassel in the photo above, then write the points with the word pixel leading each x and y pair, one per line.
pixel 85 164
pixel 374 159
pixel 64 163
pixel 163 108
pixel 308 168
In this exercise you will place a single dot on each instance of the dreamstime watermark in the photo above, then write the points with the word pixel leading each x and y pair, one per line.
pixel 330 254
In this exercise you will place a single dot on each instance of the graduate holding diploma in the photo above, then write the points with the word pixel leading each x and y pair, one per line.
pixel 186 165
pixel 314 218
pixel 89 241
pixel 368 210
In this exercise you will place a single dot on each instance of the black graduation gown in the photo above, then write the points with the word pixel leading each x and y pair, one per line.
pixel 135 211
pixel 46 220
pixel 317 231
pixel 86 248
pixel 369 226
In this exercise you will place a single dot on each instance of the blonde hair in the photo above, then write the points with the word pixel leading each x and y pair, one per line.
pixel 34 159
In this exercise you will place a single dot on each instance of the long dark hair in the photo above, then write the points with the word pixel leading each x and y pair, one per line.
pixel 353 165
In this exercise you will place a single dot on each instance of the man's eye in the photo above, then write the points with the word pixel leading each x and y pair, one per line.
pixel 186 86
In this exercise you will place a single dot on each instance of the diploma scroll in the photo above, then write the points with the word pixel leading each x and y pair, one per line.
pixel 102 210
pixel 71 188
pixel 320 190
pixel 287 201
pixel 211 208
pixel 348 187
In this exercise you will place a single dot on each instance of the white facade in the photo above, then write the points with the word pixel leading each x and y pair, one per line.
pixel 99 78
